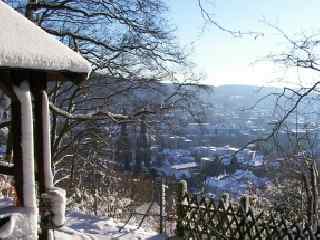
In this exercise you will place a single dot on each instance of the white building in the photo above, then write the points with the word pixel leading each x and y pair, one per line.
pixel 186 170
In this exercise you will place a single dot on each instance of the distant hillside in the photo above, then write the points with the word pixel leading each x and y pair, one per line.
pixel 237 89
pixel 232 96
pixel 242 96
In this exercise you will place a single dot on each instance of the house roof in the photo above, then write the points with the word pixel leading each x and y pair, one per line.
pixel 185 166
pixel 24 45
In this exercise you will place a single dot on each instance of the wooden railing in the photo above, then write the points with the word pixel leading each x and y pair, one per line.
pixel 202 218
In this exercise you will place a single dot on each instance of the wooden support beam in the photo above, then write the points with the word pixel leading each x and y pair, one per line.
pixel 17 150
pixel 16 77
pixel 38 85
pixel 8 80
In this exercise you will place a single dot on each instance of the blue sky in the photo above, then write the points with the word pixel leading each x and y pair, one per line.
pixel 226 59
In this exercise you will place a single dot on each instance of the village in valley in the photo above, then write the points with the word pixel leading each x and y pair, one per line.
pixel 124 120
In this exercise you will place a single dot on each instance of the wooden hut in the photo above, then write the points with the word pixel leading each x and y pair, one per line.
pixel 29 58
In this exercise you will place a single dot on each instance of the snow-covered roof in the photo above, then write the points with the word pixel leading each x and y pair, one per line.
pixel 24 45
pixel 185 166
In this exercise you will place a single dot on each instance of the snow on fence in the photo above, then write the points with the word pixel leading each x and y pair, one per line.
pixel 203 218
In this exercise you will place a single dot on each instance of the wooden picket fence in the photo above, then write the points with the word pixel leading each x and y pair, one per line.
pixel 203 218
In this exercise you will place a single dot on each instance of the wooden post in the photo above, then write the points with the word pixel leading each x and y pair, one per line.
pixel 17 150
pixel 8 157
pixel 16 128
pixel 163 214
pixel 224 201
pixel 181 193
pixel 244 205
pixel 37 87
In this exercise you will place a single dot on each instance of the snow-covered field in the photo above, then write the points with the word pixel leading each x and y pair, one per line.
pixel 84 227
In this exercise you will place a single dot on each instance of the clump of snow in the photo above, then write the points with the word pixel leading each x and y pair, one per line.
pixel 34 49
pixel 20 225
pixel 29 187
pixel 57 202
pixel 22 228
pixel 6 230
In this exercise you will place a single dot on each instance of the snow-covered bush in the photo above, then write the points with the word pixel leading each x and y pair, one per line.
pixel 117 196
pixel 99 204
pixel 7 189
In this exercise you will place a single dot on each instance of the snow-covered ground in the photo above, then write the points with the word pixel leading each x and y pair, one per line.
pixel 235 184
pixel 84 227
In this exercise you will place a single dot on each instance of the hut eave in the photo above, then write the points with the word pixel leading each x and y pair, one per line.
pixel 24 45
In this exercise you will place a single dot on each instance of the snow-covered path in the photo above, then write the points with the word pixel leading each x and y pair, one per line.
pixel 83 227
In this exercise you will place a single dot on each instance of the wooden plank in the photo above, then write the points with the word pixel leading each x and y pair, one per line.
pixel 51 74
pixel 9 171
